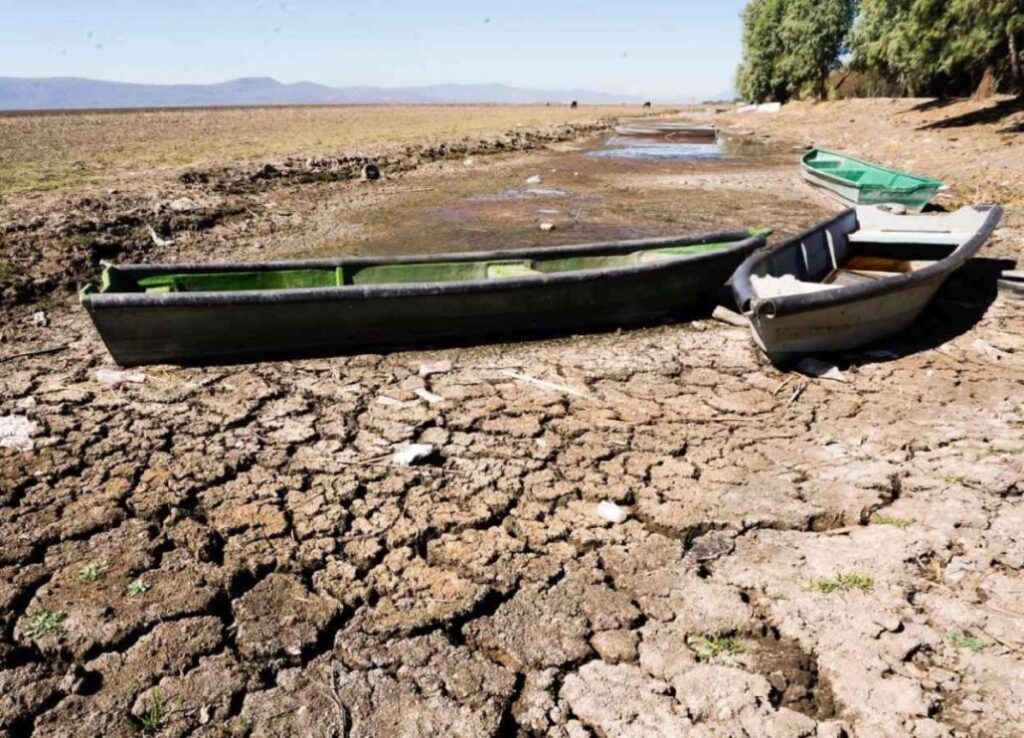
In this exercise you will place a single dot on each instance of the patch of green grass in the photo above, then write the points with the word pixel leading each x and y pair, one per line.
pixel 901 523
pixel 709 647
pixel 139 586
pixel 44 623
pixel 844 583
pixel 93 572
pixel 153 719
pixel 959 639
pixel 959 480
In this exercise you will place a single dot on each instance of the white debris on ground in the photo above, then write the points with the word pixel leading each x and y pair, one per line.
pixel 40 319
pixel 611 512
pixel 434 367
pixel 182 205
pixel 429 397
pixel 534 180
pixel 547 227
pixel 408 454
pixel 16 432
pixel 114 377
pixel 157 239
pixel 820 369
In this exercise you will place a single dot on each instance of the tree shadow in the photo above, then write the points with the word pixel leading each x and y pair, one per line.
pixel 935 104
pixel 993 114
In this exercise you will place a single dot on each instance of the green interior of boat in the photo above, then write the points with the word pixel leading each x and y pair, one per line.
pixel 865 174
pixel 115 280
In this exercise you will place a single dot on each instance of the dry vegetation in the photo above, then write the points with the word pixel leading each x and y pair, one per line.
pixel 65 150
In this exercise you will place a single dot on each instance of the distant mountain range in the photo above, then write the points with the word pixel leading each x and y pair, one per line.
pixel 50 93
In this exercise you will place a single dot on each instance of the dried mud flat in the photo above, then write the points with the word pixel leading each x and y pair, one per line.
pixel 230 551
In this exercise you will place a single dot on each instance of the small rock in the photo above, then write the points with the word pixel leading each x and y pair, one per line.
pixel 616 646
pixel 611 512
pixel 16 432
pixel 73 679
pixel 820 369
pixel 725 315
pixel 434 367
pixel 469 162
pixel 409 454
pixel 956 570
pixel 547 227
pixel 114 377
pixel 40 319
pixel 534 180
pixel 711 546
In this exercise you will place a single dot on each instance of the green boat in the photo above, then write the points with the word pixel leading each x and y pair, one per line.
pixel 203 313
pixel 862 183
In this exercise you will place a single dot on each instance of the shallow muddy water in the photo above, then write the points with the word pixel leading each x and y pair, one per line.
pixel 607 188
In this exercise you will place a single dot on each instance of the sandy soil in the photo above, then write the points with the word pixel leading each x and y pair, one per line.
pixel 230 551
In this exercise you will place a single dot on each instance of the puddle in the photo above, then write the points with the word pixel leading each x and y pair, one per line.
pixel 675 148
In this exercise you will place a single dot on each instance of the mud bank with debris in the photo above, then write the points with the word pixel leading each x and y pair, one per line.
pixel 234 551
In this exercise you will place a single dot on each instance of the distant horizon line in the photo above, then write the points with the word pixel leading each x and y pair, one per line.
pixel 546 93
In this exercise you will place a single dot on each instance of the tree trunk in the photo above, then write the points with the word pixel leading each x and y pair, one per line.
pixel 1014 60
pixel 988 86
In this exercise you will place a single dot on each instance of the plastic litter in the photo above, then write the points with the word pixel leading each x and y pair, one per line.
pixel 408 454
pixel 16 432
pixel 611 512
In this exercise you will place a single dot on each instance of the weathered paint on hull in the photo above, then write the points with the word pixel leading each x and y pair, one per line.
pixel 321 322
pixel 841 327
pixel 852 195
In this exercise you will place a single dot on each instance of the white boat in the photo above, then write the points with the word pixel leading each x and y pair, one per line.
pixel 861 276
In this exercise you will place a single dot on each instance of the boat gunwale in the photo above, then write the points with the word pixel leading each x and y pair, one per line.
pixel 744 242
pixel 753 306
pixel 926 183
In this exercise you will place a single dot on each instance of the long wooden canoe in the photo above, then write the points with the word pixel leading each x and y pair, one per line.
pixel 860 182
pixel 856 278
pixel 207 313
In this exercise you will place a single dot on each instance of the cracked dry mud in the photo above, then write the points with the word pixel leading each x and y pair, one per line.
pixel 228 551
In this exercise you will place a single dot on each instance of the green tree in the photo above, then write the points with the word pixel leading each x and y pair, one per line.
pixel 939 47
pixel 758 78
pixel 791 46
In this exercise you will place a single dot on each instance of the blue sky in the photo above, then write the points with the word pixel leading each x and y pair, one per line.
pixel 663 49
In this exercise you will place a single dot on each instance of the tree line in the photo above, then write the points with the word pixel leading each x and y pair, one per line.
pixel 940 48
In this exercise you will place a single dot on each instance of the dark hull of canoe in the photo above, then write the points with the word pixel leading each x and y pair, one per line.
pixel 200 328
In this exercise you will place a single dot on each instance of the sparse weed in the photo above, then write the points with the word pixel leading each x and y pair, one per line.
pixel 708 647
pixel 958 480
pixel 44 623
pixel 139 586
pixel 844 583
pixel 959 639
pixel 93 572
pixel 901 523
pixel 153 719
